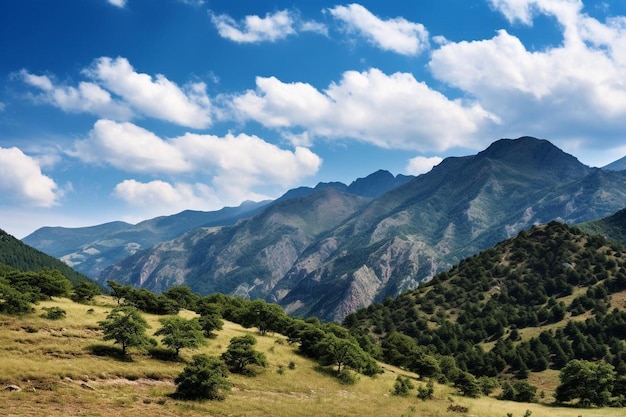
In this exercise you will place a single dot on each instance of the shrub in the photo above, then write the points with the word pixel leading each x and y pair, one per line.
pixel 402 386
pixel 53 313
pixel 204 378
pixel 426 392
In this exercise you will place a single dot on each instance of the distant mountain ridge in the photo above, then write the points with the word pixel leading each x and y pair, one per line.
pixel 90 250
pixel 369 248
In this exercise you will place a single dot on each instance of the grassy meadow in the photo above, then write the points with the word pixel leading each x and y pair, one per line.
pixel 64 368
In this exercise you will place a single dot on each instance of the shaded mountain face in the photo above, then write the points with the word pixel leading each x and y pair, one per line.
pixel 244 260
pixel 326 251
pixel 612 227
pixel 90 250
pixel 619 165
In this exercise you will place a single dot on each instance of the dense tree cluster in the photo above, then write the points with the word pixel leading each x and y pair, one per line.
pixel 553 276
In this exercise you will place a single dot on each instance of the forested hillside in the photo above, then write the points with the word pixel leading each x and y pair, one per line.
pixel 549 296
pixel 22 257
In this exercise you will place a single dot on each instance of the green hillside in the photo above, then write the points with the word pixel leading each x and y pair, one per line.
pixel 527 306
pixel 22 257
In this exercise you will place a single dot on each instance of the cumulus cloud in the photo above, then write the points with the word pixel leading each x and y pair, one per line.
pixel 165 197
pixel 131 148
pixel 390 111
pixel 22 182
pixel 254 29
pixel 156 97
pixel 271 28
pixel 397 35
pixel 117 91
pixel 421 164
pixel 574 90
pixel 86 98
pixel 233 164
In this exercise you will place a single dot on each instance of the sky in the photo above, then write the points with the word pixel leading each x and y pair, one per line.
pixel 132 109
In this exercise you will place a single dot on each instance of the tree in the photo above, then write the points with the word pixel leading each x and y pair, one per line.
pixel 240 354
pixel 85 292
pixel 265 316
pixel 337 351
pixel 118 290
pixel 590 382
pixel 183 296
pixel 204 378
pixel 125 326
pixel 13 301
pixel 181 333
pixel 467 385
pixel 210 318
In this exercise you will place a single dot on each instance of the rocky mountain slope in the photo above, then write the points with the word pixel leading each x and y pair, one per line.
pixel 325 252
pixel 90 250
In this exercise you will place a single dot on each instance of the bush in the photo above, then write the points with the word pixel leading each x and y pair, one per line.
pixel 426 392
pixel 347 377
pixel 204 378
pixel 402 386
pixel 53 313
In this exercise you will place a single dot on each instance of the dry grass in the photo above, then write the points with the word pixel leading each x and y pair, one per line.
pixel 53 363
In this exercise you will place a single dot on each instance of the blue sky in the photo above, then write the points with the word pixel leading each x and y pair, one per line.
pixel 130 109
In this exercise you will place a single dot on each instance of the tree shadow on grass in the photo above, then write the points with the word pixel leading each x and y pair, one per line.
pixel 166 355
pixel 110 351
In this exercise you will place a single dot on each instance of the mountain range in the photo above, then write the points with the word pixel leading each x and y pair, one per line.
pixel 328 250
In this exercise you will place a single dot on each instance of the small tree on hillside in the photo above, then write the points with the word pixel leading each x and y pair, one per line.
pixel 85 292
pixel 240 354
pixel 181 333
pixel 125 326
pixel 267 317
pixel 203 379
pixel 339 352
pixel 590 382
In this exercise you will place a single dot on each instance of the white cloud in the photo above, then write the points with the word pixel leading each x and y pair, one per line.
pixel 397 35
pixel 22 182
pixel 421 164
pixel 159 97
pixel 573 92
pixel 130 148
pixel 87 98
pixel 254 29
pixel 234 165
pixel 121 93
pixel 118 3
pixel 390 111
pixel 165 197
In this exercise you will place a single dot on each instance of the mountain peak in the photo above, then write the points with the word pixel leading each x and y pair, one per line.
pixel 538 155
pixel 377 183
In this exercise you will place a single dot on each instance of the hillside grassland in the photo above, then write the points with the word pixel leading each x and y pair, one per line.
pixel 64 368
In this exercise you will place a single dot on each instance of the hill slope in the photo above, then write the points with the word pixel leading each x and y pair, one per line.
pixel 22 257
pixel 612 227
pixel 537 301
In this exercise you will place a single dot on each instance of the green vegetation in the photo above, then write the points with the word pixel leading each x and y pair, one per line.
pixel 456 348
pixel 240 356
pixel 205 378
pixel 531 304
pixel 126 327
pixel 181 333
pixel 21 257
